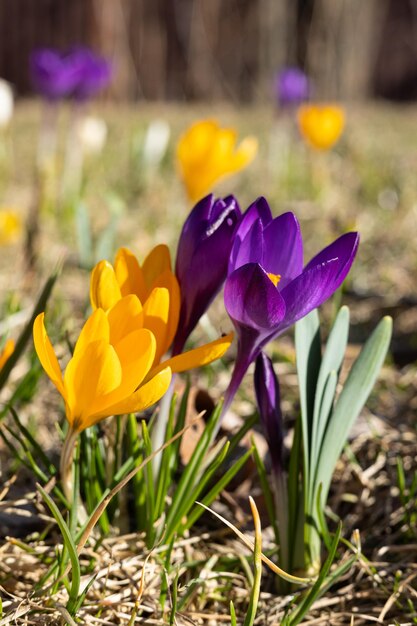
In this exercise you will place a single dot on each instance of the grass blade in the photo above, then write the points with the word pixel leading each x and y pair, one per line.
pixel 308 355
pixel 257 563
pixel 26 333
pixel 331 362
pixel 70 547
pixel 355 392
pixel 314 592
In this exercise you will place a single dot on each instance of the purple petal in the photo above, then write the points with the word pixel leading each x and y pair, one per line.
pixel 269 405
pixel 207 216
pixel 344 249
pixel 310 289
pixel 202 258
pixel 252 300
pixel 251 248
pixel 51 73
pixel 283 248
pixel 292 86
pixel 258 210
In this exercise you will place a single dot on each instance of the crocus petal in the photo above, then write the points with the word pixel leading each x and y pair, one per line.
pixel 203 249
pixel 283 252
pixel 168 281
pixel 129 274
pixel 143 398
pixel 96 328
pixel 292 86
pixel 155 317
pixel 156 263
pixel 199 356
pixel 124 318
pixel 46 353
pixel 258 210
pixel 252 300
pixel 321 126
pixel 245 153
pixel 251 248
pixel 344 248
pixel 104 287
pixel 309 290
pixel 206 152
pixel 136 353
pixel 91 373
pixel 269 406
pixel 7 351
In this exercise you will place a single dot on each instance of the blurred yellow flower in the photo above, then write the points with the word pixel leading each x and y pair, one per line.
pixel 206 152
pixel 158 295
pixel 8 349
pixel 321 125
pixel 10 227
pixel 109 372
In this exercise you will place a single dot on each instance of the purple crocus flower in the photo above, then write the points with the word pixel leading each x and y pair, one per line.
pixel 202 258
pixel 53 74
pixel 78 73
pixel 292 86
pixel 267 289
pixel 269 405
pixel 95 72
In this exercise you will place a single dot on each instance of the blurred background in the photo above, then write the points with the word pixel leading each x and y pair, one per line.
pixel 223 49
pixel 84 176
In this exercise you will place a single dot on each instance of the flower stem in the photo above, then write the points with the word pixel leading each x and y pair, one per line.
pixel 65 466
pixel 160 426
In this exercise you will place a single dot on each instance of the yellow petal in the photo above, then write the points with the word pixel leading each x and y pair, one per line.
pixel 46 353
pixel 143 398
pixel 194 144
pixel 168 280
pixel 155 317
pixel 321 125
pixel 91 374
pixel 10 227
pixel 125 317
pixel 129 274
pixel 104 289
pixel 206 152
pixel 157 262
pixel 245 153
pixel 136 354
pixel 7 351
pixel 197 357
pixel 96 328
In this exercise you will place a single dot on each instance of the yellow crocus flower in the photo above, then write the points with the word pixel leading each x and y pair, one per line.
pixel 321 125
pixel 157 290
pixel 109 372
pixel 8 349
pixel 206 152
pixel 10 227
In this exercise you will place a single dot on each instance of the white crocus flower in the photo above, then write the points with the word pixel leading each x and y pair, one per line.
pixel 6 103
pixel 156 142
pixel 92 134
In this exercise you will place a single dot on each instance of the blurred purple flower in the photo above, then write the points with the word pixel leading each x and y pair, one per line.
pixel 202 257
pixel 269 405
pixel 292 86
pixel 77 73
pixel 267 289
pixel 95 72
pixel 53 74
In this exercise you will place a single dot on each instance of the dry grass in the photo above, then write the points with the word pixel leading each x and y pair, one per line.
pixel 369 183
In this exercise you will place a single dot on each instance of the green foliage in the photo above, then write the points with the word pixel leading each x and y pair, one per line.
pixel 26 333
pixel 321 432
